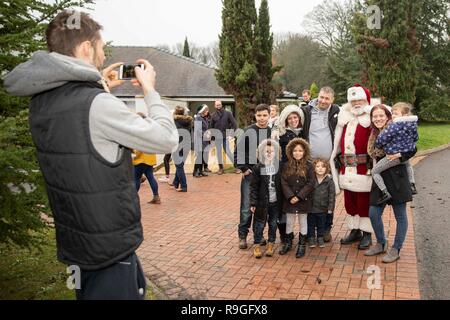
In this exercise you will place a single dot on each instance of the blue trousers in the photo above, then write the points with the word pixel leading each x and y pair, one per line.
pixel 141 169
pixel 376 213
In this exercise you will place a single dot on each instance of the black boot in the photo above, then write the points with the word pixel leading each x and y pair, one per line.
pixel 288 244
pixel 366 241
pixel 282 230
pixel 385 197
pixel 354 236
pixel 301 249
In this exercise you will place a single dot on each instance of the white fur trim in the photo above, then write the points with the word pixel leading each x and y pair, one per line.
pixel 355 182
pixel 361 223
pixel 356 93
pixel 365 224
pixel 407 119
pixel 353 222
pixel 292 108
pixel 346 115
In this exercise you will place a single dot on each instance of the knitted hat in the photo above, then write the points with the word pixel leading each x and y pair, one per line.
pixel 202 108
pixel 358 92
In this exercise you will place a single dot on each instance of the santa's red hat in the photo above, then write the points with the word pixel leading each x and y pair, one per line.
pixel 358 92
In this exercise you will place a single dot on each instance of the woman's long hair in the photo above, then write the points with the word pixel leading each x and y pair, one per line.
pixel 375 130
pixel 297 167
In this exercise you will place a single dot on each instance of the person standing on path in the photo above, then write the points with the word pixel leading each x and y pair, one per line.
pixel 350 148
pixel 222 120
pixel 84 136
pixel 397 182
pixel 244 159
pixel 201 141
pixel 320 121
pixel 143 165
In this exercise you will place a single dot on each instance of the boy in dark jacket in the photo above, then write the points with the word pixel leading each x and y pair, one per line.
pixel 244 160
pixel 324 199
pixel 266 195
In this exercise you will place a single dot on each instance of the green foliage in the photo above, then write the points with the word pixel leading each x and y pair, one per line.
pixel 314 90
pixel 304 62
pixel 245 61
pixel 186 51
pixel 390 54
pixel 22 191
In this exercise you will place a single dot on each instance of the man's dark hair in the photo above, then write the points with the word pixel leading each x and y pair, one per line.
pixel 64 35
pixel 262 107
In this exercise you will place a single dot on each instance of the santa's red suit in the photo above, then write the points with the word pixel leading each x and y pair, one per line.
pixel 351 140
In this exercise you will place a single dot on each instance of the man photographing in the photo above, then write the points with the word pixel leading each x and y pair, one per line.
pixel 83 136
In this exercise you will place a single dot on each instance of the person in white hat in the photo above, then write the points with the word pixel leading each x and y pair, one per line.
pixel 350 155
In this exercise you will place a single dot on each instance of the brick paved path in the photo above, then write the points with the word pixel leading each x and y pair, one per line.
pixel 191 252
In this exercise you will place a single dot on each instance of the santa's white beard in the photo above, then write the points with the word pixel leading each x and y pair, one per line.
pixel 358 111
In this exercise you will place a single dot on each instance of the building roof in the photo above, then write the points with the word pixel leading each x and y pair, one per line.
pixel 176 76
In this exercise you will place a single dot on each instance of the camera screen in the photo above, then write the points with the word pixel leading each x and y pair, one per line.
pixel 128 71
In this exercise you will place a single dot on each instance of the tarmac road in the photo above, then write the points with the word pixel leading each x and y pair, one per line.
pixel 432 225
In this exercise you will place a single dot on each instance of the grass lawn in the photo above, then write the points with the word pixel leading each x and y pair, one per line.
pixel 433 135
pixel 35 275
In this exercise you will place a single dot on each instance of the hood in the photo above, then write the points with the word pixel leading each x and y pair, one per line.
pixel 407 119
pixel 262 146
pixel 293 143
pixel 46 71
pixel 285 114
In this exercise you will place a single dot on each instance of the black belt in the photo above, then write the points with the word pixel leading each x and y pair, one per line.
pixel 353 160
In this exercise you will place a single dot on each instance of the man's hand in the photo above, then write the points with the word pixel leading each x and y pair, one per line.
pixel 391 157
pixel 246 173
pixel 294 200
pixel 112 76
pixel 252 210
pixel 145 78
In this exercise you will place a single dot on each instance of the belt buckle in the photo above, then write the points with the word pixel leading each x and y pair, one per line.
pixel 351 160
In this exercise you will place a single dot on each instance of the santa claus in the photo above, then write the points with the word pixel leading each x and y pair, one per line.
pixel 353 174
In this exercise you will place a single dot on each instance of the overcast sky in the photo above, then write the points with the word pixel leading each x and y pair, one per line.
pixel 156 22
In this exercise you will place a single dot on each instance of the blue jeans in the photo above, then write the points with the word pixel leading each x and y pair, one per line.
pixel 141 169
pixel 180 175
pixel 245 219
pixel 316 220
pixel 260 222
pixel 376 212
pixel 329 221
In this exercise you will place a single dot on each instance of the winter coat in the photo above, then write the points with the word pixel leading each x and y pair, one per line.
pixel 245 152
pixel 300 187
pixel 332 118
pixel 286 134
pixel 324 196
pixel 223 120
pixel 399 136
pixel 259 190
pixel 201 126
pixel 182 123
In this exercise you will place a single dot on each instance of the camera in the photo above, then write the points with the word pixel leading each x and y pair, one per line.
pixel 127 72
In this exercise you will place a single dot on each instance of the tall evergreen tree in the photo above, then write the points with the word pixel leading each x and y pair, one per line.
pixel 390 54
pixel 263 54
pixel 238 72
pixel 186 51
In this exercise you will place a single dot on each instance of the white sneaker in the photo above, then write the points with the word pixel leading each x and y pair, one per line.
pixel 163 179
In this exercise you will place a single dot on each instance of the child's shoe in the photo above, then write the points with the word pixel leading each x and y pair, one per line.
pixel 312 242
pixel 257 253
pixel 413 188
pixel 321 242
pixel 269 251
pixel 242 243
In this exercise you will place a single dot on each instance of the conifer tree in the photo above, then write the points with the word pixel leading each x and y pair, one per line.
pixel 186 50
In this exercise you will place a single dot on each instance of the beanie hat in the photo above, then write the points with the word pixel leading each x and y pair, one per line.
pixel 202 108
